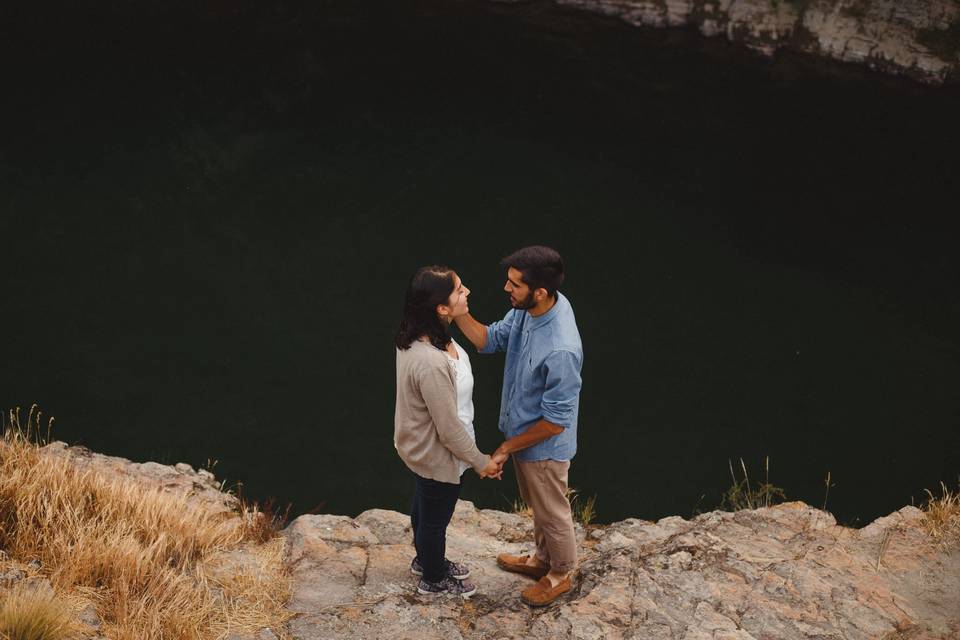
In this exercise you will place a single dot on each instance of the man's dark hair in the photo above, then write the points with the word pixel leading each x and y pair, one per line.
pixel 542 267
pixel 428 287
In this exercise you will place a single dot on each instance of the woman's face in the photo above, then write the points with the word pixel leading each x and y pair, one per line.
pixel 457 302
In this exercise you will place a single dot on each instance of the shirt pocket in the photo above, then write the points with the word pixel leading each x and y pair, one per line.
pixel 531 384
pixel 531 360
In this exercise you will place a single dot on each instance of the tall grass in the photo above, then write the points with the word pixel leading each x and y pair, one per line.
pixel 942 514
pixel 742 495
pixel 521 508
pixel 27 614
pixel 148 559
pixel 583 512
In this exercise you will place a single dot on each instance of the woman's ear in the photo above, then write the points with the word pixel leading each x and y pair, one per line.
pixel 443 310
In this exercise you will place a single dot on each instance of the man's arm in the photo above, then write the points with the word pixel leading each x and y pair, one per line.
pixel 475 331
pixel 539 432
pixel 488 339
pixel 559 404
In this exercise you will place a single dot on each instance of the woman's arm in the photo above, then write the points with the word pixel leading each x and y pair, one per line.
pixel 439 393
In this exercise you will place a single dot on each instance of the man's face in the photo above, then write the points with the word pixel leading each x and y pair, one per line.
pixel 521 296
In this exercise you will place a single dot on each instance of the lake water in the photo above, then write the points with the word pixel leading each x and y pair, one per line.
pixel 209 214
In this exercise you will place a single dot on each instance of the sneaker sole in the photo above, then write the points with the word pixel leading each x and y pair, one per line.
pixel 465 595
pixel 462 576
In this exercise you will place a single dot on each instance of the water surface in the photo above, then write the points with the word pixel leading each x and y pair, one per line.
pixel 210 212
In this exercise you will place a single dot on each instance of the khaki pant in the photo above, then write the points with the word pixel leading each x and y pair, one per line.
pixel 543 486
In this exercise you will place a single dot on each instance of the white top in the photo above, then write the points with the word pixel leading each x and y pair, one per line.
pixel 464 394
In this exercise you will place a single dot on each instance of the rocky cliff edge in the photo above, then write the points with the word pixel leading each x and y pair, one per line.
pixel 785 572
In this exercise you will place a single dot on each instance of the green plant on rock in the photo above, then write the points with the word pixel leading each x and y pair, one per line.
pixel 742 495
pixel 583 512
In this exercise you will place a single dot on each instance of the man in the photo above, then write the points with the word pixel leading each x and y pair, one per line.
pixel 538 410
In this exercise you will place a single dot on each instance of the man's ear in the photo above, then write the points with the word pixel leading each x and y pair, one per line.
pixel 540 294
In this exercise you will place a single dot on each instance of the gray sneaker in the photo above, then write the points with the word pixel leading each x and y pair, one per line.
pixel 449 585
pixel 454 569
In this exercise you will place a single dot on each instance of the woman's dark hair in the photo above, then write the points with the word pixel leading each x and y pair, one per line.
pixel 428 287
pixel 542 267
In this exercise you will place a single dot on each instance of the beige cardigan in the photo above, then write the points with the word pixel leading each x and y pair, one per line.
pixel 427 432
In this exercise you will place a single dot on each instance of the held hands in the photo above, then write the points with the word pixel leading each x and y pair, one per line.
pixel 494 468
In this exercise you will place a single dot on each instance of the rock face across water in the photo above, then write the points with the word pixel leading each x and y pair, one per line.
pixel 916 38
pixel 786 572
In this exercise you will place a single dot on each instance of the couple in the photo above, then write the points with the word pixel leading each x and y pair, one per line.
pixel 433 427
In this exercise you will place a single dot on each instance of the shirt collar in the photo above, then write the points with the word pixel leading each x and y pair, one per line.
pixel 539 321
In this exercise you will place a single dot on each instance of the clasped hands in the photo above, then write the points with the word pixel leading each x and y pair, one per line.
pixel 494 468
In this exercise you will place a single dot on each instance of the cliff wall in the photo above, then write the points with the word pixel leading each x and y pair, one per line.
pixel 915 38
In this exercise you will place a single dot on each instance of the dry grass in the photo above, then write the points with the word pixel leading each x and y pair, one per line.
pixel 150 561
pixel 942 515
pixel 521 508
pixel 27 614
pixel 742 495
pixel 584 513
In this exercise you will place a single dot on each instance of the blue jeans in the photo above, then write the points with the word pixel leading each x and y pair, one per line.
pixel 433 505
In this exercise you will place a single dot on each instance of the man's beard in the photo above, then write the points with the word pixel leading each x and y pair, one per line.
pixel 526 303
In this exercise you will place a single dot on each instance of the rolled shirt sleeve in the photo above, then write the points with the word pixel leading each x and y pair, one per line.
pixel 498 333
pixel 562 388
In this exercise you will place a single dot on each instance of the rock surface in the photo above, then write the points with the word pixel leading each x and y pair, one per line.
pixel 784 572
pixel 916 38
pixel 781 573
pixel 199 485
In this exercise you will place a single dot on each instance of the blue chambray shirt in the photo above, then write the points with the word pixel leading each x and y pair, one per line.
pixel 541 376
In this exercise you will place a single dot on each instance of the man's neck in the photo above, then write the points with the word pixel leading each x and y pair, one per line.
pixel 543 306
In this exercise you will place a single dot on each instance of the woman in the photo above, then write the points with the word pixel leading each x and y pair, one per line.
pixel 433 424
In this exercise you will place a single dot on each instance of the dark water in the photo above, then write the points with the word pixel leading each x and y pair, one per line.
pixel 209 213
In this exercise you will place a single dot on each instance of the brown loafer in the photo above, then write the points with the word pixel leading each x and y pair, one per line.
pixel 518 564
pixel 543 593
